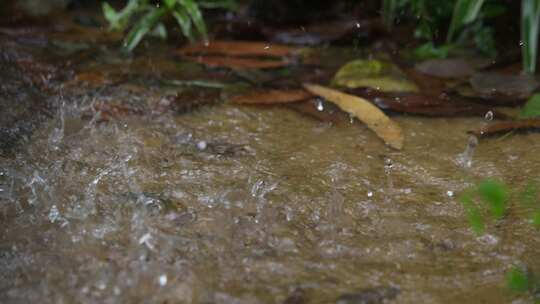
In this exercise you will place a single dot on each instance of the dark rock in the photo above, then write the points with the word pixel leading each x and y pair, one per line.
pixel 374 295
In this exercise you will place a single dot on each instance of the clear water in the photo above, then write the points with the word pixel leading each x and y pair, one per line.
pixel 231 204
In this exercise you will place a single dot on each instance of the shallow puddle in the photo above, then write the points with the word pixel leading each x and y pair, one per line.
pixel 238 204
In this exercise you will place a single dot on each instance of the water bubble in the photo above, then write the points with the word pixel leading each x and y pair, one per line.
pixel 489 116
pixel 370 194
pixel 163 280
pixel 450 193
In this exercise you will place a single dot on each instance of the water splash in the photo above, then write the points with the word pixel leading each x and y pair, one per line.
pixel 465 159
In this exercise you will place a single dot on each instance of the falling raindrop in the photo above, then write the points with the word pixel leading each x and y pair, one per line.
pixel 162 280
pixel 370 194
pixel 450 193
pixel 351 118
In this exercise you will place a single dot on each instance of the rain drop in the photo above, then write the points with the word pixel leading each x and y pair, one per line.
pixel 320 106
pixel 489 116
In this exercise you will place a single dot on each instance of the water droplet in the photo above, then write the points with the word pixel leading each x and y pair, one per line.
pixel 351 118
pixel 370 194
pixel 450 193
pixel 521 43
pixel 358 25
pixel 163 280
pixel 489 116
pixel 267 47
pixel 54 214
pixel 320 106
pixel 202 145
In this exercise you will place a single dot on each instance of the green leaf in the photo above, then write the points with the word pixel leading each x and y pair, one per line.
pixel 375 74
pixel 182 18
pixel 530 18
pixel 532 108
pixel 226 4
pixel 194 12
pixel 517 280
pixel 430 51
pixel 473 213
pixel 536 219
pixel 465 12
pixel 118 21
pixel 142 27
pixel 494 194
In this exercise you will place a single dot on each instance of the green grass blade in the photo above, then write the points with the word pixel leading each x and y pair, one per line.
pixel 143 26
pixel 183 20
pixel 118 21
pixel 195 14
pixel 465 12
pixel 530 17
pixel 389 8
pixel 225 4
pixel 495 195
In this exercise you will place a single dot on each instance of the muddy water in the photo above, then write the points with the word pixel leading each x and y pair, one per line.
pixel 231 204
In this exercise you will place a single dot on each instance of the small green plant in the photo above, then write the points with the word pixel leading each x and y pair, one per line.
pixel 491 197
pixel 465 23
pixel 145 17
pixel 489 194
pixel 521 281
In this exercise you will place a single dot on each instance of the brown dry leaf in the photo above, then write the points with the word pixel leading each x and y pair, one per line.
pixel 268 97
pixel 366 112
pixel 90 78
pixel 239 63
pixel 507 126
pixel 239 48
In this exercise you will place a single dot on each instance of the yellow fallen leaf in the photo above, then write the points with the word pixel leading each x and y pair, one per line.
pixel 366 112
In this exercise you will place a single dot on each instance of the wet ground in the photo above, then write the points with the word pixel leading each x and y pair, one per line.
pixel 119 186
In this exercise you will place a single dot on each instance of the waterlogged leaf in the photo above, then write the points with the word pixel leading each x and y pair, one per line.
pixel 507 126
pixel 366 112
pixel 517 280
pixel 239 48
pixel 446 68
pixel 532 108
pixel 268 97
pixel 379 75
pixel 495 195
pixel 517 86
pixel 239 63
pixel 422 104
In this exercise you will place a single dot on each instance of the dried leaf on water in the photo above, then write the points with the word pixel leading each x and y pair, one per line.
pixel 268 97
pixel 507 126
pixel 366 112
pixel 422 104
pixel 240 54
pixel 239 48
pixel 376 74
pixel 239 63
